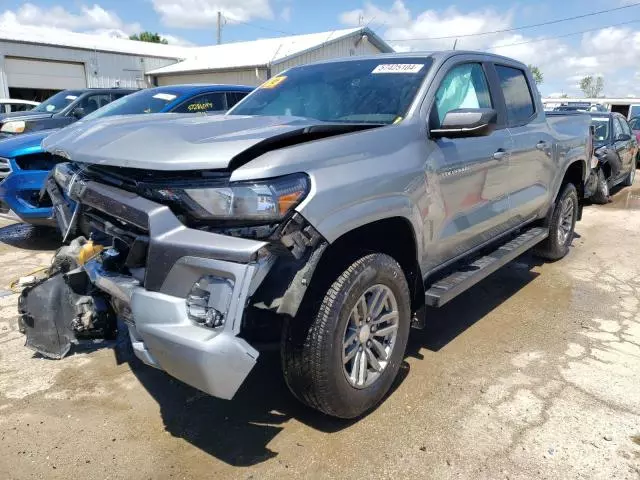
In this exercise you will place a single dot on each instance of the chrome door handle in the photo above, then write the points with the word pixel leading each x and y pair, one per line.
pixel 541 145
pixel 500 154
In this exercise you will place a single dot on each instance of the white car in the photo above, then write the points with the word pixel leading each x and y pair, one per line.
pixel 8 105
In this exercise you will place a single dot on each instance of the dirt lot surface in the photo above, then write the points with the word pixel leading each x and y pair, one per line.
pixel 534 373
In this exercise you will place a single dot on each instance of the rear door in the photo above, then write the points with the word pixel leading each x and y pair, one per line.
pixel 622 145
pixel 532 167
pixel 471 174
pixel 632 146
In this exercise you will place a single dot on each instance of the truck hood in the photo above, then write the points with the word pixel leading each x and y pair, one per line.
pixel 162 142
pixel 26 116
pixel 23 144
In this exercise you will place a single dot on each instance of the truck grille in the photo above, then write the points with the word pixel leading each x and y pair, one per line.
pixel 5 168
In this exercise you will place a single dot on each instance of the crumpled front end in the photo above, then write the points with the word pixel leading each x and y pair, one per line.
pixel 185 286
pixel 181 291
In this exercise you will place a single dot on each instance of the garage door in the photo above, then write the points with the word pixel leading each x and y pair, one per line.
pixel 30 73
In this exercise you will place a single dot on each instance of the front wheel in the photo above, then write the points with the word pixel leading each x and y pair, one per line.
pixel 344 360
pixel 561 226
pixel 601 194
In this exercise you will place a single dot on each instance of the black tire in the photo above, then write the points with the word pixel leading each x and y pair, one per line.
pixel 312 348
pixel 554 247
pixel 601 195
pixel 628 180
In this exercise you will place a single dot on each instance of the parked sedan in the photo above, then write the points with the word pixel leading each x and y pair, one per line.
pixel 24 166
pixel 616 149
pixel 59 110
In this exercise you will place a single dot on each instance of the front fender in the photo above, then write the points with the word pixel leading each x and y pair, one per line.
pixel 351 217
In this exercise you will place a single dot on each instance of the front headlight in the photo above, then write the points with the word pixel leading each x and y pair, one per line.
pixel 17 126
pixel 260 201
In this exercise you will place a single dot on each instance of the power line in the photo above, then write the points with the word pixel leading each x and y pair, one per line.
pixel 542 39
pixel 513 29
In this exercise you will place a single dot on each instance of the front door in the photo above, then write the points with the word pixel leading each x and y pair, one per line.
pixel 469 175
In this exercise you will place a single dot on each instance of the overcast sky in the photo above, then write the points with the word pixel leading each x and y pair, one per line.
pixel 613 52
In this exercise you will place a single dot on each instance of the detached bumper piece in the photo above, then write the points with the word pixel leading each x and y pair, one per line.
pixel 63 310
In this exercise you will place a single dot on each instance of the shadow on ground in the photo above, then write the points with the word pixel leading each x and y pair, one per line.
pixel 30 237
pixel 238 432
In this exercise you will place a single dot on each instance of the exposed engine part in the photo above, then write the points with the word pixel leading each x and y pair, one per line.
pixel 64 308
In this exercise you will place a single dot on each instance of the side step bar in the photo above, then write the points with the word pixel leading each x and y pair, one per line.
pixel 468 275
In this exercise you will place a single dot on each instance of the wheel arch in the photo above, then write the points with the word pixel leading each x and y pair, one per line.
pixel 393 236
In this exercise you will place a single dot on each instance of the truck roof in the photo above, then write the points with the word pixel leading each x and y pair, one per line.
pixel 439 56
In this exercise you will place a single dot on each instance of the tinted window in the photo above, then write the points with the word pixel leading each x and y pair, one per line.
pixel 209 102
pixel 91 103
pixel 58 102
pixel 376 91
pixel 625 126
pixel 635 123
pixel 465 86
pixel 516 94
pixel 234 97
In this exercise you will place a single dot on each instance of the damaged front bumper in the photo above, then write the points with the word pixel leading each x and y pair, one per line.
pixel 215 361
pixel 164 262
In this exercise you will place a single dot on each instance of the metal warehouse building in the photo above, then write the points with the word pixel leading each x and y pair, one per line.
pixel 251 63
pixel 36 62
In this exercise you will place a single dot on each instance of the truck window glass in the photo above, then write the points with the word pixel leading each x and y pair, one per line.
pixel 625 127
pixel 376 91
pixel 465 86
pixel 209 102
pixel 517 94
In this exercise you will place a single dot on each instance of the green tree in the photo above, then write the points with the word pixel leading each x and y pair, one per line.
pixel 592 87
pixel 148 37
pixel 538 77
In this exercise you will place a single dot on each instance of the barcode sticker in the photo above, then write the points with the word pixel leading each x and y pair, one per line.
pixel 398 68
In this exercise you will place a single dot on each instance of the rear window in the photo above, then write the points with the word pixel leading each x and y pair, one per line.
pixel 520 106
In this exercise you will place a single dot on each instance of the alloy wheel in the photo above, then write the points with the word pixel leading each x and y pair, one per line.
pixel 370 336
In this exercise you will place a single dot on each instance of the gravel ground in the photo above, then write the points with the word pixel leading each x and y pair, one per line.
pixel 534 373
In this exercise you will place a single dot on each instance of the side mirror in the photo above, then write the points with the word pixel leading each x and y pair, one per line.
pixel 467 122
pixel 623 137
pixel 78 112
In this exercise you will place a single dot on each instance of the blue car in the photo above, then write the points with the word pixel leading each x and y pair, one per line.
pixel 24 165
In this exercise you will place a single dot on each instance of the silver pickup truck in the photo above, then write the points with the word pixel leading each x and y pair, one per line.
pixel 330 208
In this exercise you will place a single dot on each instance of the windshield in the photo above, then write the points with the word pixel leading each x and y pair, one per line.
pixel 358 91
pixel 144 101
pixel 58 102
pixel 601 126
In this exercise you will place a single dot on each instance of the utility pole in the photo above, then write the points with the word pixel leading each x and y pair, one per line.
pixel 219 36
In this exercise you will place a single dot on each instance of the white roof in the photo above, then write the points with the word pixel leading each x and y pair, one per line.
pixel 63 38
pixel 261 52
